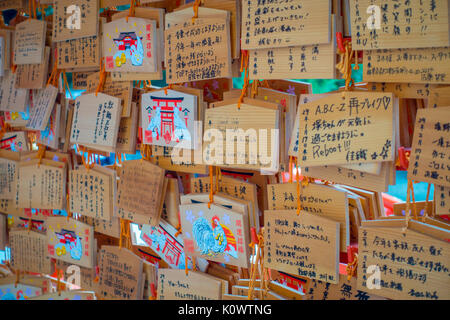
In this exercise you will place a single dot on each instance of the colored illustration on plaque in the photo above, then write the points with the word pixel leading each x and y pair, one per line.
pixel 213 237
pixel 129 46
pixel 168 119
pixel 214 233
pixel 162 241
pixel 18 292
pixel 14 141
pixel 70 241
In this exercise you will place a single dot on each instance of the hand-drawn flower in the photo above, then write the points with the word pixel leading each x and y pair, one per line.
pixel 189 216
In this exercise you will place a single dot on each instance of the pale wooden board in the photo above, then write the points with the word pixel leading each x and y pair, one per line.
pixel 42 108
pixel 190 166
pixel 12 99
pixel 314 61
pixel 14 141
pixel 171 203
pixel 97 126
pixel 442 200
pixel 9 207
pixel 351 177
pixel 67 295
pixel 418 206
pixel 41 186
pixel 119 89
pixel 144 58
pixel 274 24
pixel 28 251
pixel 316 199
pixel 424 65
pixel 29 42
pixel 110 228
pixel 281 289
pixel 211 9
pixel 313 240
pixel 404 90
pixel 127 135
pixel 211 60
pixel 288 104
pixel 258 292
pixel 344 290
pixel 201 240
pixel 86 275
pixel 234 187
pixel 85 10
pixel 174 284
pixel 168 119
pixel 423 246
pixel 430 150
pixel 71 241
pixel 91 193
pixel 79 80
pixel 7 48
pixel 252 116
pixel 158 240
pixel 121 276
pixel 33 76
pixel 141 189
pixel 347 128
pixel 222 200
pixel 412 24
pixel 8 174
pixel 51 135
pixel 79 54
pixel 439 97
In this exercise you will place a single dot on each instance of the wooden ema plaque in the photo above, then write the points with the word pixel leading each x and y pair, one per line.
pixel 430 152
pixel 11 98
pixel 306 245
pixel 71 241
pixel 207 57
pixel 275 24
pixel 384 24
pixel 344 290
pixel 352 127
pixel 92 192
pixel 130 46
pixel 8 174
pixel 79 54
pixel 168 119
pixel 29 251
pixel 423 65
pixel 42 108
pixel 41 186
pixel 410 265
pixel 216 234
pixel 121 276
pixel 316 199
pixel 74 19
pixel 98 126
pixel 314 61
pixel 141 189
pixel 256 120
pixel 174 284
pixel 29 42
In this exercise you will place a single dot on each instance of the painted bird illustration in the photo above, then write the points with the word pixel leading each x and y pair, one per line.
pixel 214 239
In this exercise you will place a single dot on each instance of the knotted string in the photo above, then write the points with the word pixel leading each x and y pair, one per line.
pixel 195 8
pixel 244 68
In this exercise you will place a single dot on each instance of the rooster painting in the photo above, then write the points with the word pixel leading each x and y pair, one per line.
pixel 214 239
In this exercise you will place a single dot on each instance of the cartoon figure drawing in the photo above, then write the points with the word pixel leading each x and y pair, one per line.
pixel 130 48
pixel 69 242
pixel 166 122
pixel 214 239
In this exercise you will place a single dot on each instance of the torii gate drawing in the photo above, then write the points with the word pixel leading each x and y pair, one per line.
pixel 165 122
